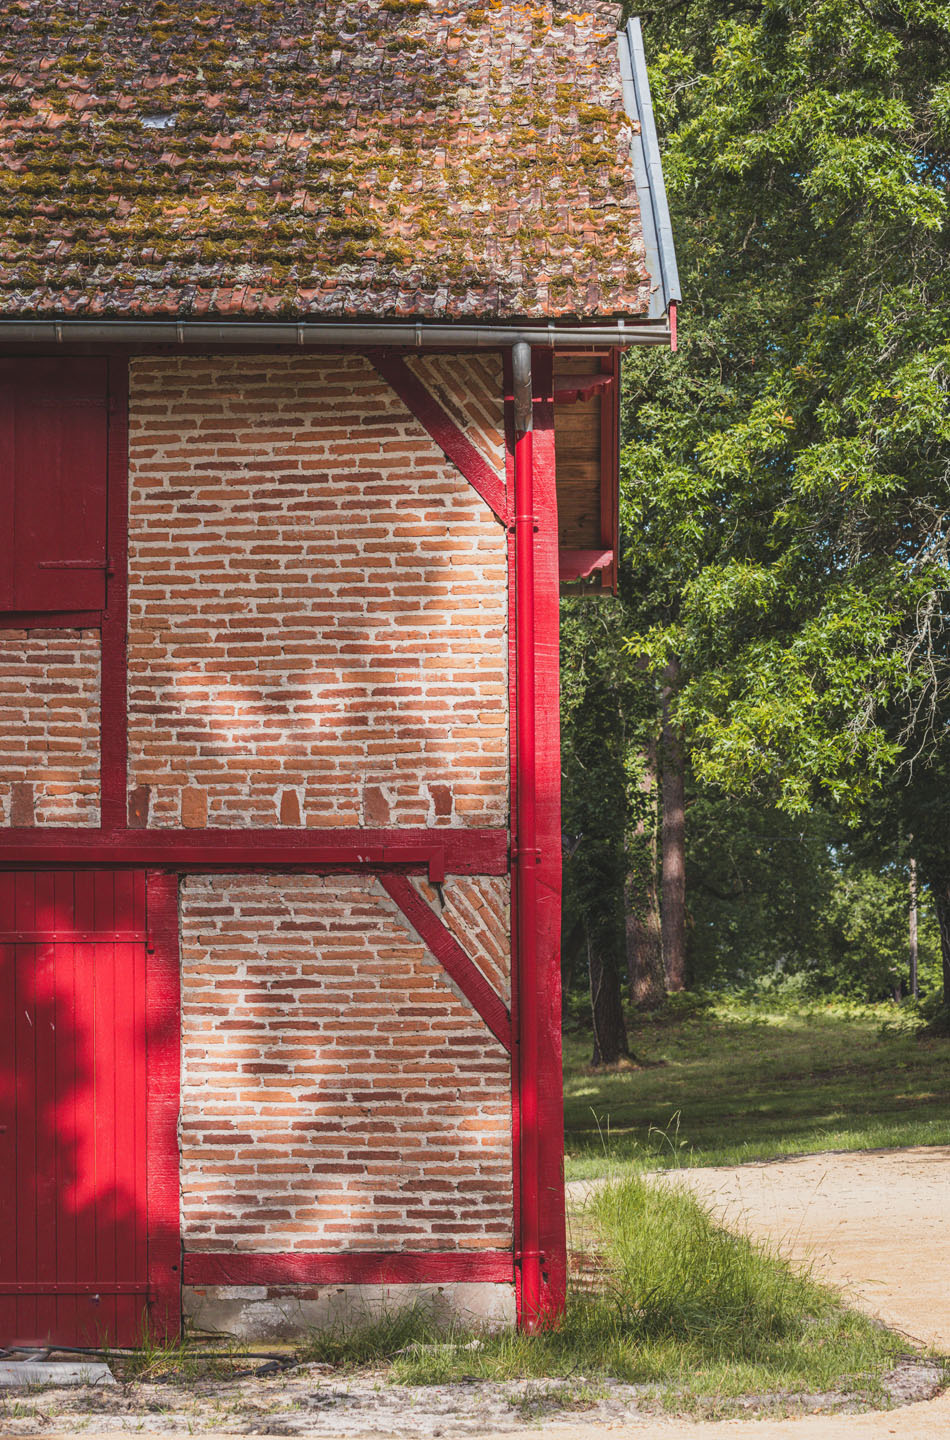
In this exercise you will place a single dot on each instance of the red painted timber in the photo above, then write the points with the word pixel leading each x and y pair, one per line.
pixel 585 390
pixel 548 841
pixel 114 723
pixel 513 805
pixel 53 438
pixel 72 1095
pixel 441 852
pixel 453 443
pixel 450 955
pixel 578 564
pixel 50 619
pixel 526 855
pixel 163 1045
pixel 407 1267
pixel 610 470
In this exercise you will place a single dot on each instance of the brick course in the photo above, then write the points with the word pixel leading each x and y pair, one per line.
pixel 49 727
pixel 336 1092
pixel 318 599
pixel 468 388
pixel 476 909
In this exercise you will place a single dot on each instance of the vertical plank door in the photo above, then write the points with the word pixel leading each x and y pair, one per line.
pixel 73 1108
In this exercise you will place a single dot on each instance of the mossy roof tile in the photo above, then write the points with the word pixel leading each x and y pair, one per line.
pixel 347 159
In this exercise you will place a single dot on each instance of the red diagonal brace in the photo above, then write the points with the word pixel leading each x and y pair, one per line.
pixel 450 956
pixel 450 439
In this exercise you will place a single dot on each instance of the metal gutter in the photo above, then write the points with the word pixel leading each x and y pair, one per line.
pixel 648 173
pixel 654 330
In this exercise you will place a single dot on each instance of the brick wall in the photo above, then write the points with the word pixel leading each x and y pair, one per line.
pixel 476 909
pixel 337 1093
pixel 49 727
pixel 317 599
pixel 469 388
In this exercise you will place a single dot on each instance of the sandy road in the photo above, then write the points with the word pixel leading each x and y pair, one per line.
pixel 875 1224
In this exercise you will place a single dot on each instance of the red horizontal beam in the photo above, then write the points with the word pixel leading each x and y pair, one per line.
pixel 578 564
pixel 450 955
pixel 440 852
pixel 586 387
pixel 72 937
pixel 407 1267
pixel 74 1287
pixel 50 620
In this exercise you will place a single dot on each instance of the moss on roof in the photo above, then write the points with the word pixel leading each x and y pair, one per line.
pixel 354 158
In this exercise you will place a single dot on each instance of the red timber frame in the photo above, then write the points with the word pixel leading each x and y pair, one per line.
pixel 530 1032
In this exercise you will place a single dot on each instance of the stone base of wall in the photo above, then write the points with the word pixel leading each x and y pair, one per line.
pixel 288 1312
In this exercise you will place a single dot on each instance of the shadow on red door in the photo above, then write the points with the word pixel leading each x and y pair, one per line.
pixel 73 1108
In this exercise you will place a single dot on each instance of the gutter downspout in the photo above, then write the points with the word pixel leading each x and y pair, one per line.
pixel 527 856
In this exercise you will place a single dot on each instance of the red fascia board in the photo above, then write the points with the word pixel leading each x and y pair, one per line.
pixel 450 955
pixel 453 443
pixel 406 1267
pixel 440 852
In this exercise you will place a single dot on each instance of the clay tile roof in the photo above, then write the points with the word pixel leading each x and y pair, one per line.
pixel 348 159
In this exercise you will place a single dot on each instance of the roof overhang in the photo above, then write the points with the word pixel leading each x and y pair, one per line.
pixel 648 173
pixel 305 334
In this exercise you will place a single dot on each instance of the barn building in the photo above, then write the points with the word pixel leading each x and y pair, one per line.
pixel 310 325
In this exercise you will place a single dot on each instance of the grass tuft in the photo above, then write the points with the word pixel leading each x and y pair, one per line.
pixel 685 1310
pixel 370 1344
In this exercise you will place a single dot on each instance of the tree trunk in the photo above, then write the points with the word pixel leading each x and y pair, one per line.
pixel 912 926
pixel 941 898
pixel 673 907
pixel 643 931
pixel 606 1004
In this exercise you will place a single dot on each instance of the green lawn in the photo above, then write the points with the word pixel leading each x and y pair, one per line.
pixel 739 1081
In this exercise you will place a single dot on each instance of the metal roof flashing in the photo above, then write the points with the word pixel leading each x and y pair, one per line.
pixel 648 173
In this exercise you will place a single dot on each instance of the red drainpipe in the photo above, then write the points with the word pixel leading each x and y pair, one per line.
pixel 527 855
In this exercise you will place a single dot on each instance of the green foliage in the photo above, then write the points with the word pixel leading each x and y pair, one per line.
pixel 773 895
pixel 785 476
pixel 607 717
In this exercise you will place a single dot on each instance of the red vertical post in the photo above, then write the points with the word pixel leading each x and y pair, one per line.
pixel 113 761
pixel 538 845
pixel 163 1040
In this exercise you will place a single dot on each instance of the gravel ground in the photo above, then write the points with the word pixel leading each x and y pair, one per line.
pixel 313 1401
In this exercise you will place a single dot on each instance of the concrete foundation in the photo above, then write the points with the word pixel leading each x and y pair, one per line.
pixel 262 1312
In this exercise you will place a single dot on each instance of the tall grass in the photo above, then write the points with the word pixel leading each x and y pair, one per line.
pixel 684 1309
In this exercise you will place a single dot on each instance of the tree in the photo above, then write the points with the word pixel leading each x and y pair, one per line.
pixel 785 477
pixel 643 921
pixel 593 732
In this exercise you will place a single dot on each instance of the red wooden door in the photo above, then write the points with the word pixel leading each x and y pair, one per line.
pixel 73 1112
